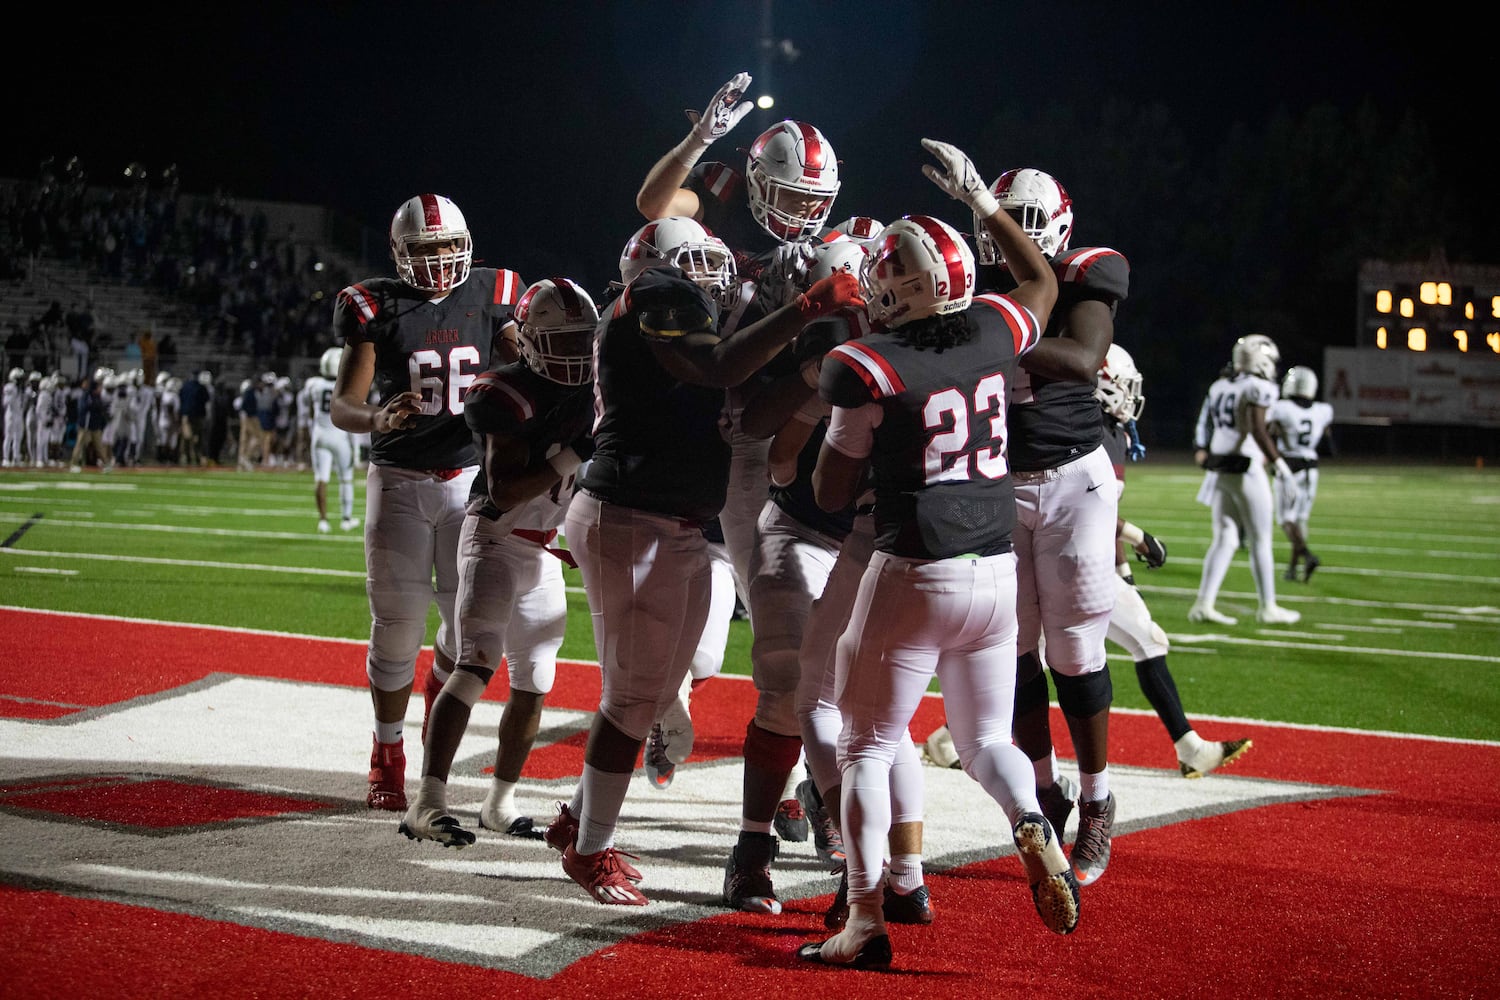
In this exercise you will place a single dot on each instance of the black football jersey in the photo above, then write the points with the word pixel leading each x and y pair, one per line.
pixel 657 443
pixel 942 480
pixel 435 348
pixel 1115 446
pixel 1055 422
pixel 516 401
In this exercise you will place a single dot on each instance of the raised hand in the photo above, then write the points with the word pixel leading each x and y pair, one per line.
pixel 724 112
pixel 840 290
pixel 958 177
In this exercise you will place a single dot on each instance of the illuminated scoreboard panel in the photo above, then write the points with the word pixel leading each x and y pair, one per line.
pixel 1412 313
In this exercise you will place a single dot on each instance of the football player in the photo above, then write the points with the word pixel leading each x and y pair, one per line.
pixel 418 340
pixel 1233 447
pixel 1301 425
pixel 13 403
pixel 332 448
pixel 921 406
pixel 1066 508
pixel 1121 394
pixel 532 420
pixel 770 216
pixel 168 418
pixel 659 474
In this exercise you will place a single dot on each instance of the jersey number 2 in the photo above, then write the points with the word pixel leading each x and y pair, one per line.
pixel 947 412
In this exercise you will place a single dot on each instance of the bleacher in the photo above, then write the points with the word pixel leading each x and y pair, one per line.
pixel 122 308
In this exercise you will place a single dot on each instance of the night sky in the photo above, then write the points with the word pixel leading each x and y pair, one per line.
pixel 540 120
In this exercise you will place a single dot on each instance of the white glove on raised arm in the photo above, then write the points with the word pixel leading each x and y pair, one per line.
pixel 723 113
pixel 958 177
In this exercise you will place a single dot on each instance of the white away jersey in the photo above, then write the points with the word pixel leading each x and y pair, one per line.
pixel 1300 425
pixel 1224 422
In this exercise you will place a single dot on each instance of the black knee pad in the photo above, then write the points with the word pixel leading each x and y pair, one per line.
pixel 1031 684
pixel 1086 694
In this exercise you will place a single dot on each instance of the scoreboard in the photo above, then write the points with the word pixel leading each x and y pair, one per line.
pixel 1429 307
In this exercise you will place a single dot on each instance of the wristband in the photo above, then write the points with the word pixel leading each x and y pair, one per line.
pixel 810 373
pixel 1122 570
pixel 690 150
pixel 783 473
pixel 984 203
pixel 1131 535
pixel 1283 470
pixel 565 462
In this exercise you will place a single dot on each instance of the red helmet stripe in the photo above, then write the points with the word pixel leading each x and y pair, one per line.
pixel 814 152
pixel 567 293
pixel 432 215
pixel 958 281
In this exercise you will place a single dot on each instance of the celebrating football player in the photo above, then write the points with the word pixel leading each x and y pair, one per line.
pixel 420 340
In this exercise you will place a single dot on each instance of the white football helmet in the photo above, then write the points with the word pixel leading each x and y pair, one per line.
pixel 17 375
pixel 1120 386
pixel 917 267
pixel 103 374
pixel 1300 383
pixel 556 320
pixel 174 384
pixel 1040 207
pixel 684 243
pixel 328 364
pixel 860 227
pixel 1255 354
pixel 836 255
pixel 430 244
pixel 791 177
pixel 162 378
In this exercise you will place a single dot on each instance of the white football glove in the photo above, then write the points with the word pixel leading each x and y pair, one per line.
pixel 722 113
pixel 959 178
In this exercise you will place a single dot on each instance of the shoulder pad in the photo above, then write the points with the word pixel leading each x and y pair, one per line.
pixel 718 180
pixel 668 305
pixel 855 373
pixel 1098 269
pixel 497 403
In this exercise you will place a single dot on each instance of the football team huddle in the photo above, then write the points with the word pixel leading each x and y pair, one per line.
pixel 903 453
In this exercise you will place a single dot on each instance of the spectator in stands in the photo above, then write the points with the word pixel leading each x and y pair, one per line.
pixel 146 343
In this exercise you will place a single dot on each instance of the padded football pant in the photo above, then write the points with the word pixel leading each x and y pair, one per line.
pixel 788 571
pixel 748 479
pixel 649 580
pixel 1298 509
pixel 1240 501
pixel 333 452
pixel 912 619
pixel 512 604
pixel 817 701
pixel 412 522
pixel 1065 549
pixel 1132 627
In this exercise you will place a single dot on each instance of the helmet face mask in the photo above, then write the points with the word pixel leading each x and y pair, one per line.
pixel 1300 382
pixel 430 244
pixel 1040 206
pixel 917 267
pixel 791 179
pixel 680 242
pixel 1121 387
pixel 556 320
pixel 1257 355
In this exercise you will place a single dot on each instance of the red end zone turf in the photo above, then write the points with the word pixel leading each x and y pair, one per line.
pixel 1376 895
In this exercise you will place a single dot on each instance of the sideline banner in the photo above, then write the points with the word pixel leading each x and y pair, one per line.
pixel 1403 387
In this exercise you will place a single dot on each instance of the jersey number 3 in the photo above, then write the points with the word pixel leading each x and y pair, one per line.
pixel 946 458
pixel 443 381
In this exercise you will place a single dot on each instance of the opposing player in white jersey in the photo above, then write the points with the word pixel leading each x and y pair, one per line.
pixel 13 402
pixel 533 419
pixel 44 427
pixel 1233 447
pixel 1300 425
pixel 331 448
pixel 168 418
pixel 141 416
pixel 419 340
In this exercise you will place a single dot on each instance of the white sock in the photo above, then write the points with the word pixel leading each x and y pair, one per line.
pixel 603 795
pixel 905 875
pixel 499 809
pixel 432 793
pixel 1190 746
pixel 389 732
pixel 1093 787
